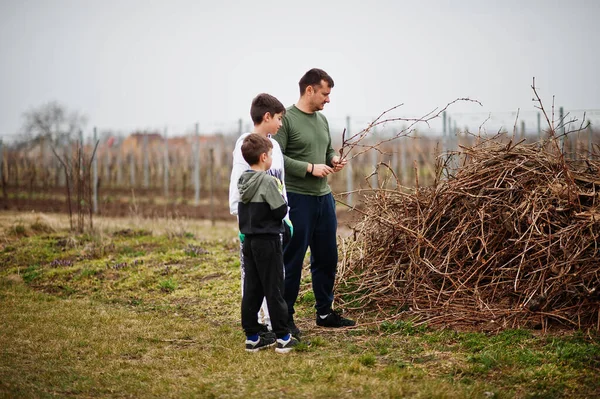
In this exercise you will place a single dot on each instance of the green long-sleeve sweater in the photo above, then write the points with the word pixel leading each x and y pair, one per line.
pixel 304 138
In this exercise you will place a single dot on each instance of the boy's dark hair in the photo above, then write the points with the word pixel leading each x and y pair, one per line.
pixel 262 104
pixel 313 78
pixel 253 146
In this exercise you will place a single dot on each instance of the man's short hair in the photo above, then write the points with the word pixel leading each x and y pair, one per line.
pixel 313 78
pixel 253 146
pixel 262 104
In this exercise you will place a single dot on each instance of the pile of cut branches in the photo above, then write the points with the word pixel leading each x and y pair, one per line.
pixel 510 238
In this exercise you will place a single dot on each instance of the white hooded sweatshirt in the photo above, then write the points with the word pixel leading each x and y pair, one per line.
pixel 240 166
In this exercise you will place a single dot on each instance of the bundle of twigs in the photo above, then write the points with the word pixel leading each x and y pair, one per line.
pixel 509 238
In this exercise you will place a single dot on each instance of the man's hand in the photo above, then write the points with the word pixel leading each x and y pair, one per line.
pixel 319 170
pixel 337 164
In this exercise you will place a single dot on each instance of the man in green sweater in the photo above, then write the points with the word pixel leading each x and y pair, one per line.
pixel 309 158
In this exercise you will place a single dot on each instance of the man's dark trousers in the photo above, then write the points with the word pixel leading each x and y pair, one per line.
pixel 315 225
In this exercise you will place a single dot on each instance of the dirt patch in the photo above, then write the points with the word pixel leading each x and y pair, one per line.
pixel 13 279
pixel 123 209
pixel 145 208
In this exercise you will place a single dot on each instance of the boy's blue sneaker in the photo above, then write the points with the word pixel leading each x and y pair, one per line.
pixel 286 345
pixel 260 343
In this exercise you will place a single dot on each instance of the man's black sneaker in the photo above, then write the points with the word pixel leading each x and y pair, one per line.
pixel 265 332
pixel 285 346
pixel 334 320
pixel 295 331
pixel 259 344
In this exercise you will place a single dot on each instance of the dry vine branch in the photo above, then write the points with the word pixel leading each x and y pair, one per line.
pixel 65 164
pixel 77 176
pixel 349 143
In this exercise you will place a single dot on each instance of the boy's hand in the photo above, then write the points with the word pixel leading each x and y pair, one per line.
pixel 288 231
pixel 290 225
pixel 337 164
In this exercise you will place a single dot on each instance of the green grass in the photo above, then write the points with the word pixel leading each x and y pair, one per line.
pixel 154 312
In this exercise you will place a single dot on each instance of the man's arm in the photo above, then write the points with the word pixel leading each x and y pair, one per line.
pixel 293 166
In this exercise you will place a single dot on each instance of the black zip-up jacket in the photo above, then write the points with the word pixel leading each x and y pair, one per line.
pixel 261 208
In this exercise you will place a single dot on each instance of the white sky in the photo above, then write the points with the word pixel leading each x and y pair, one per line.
pixel 130 64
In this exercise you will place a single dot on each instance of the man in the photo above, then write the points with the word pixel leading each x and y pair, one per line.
pixel 309 158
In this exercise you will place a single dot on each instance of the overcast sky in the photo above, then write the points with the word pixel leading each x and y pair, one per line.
pixel 130 64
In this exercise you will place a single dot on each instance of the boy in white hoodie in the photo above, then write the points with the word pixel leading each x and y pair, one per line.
pixel 267 113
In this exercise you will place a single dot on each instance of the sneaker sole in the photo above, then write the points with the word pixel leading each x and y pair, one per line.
pixel 254 350
pixel 283 350
pixel 322 326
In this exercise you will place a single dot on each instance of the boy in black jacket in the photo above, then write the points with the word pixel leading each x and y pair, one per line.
pixel 260 216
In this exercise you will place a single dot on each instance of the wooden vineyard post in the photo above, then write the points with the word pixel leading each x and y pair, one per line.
pixel 197 166
pixel 119 162
pixel 211 161
pixel 561 131
pixel 444 142
pixel 589 142
pixel 107 179
pixel 95 176
pixel 2 181
pixel 374 178
pixel 146 161
pixel 349 174
pixel 403 165
pixel 131 169
pixel 166 166
pixel 539 127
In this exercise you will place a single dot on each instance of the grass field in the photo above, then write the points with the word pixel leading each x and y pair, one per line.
pixel 150 308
